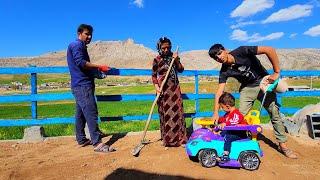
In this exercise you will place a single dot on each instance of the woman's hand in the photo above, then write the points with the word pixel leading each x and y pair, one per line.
pixel 175 56
pixel 157 89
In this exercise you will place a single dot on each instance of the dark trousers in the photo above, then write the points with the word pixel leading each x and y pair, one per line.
pixel 86 112
pixel 231 136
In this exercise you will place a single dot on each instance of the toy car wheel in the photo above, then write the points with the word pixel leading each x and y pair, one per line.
pixel 249 161
pixel 207 158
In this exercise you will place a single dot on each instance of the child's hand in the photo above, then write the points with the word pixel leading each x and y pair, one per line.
pixel 215 119
pixel 221 126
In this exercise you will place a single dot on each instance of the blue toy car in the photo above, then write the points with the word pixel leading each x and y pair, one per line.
pixel 206 146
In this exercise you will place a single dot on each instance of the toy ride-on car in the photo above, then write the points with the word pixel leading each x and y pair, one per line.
pixel 206 145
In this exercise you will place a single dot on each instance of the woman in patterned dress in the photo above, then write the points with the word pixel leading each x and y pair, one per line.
pixel 170 105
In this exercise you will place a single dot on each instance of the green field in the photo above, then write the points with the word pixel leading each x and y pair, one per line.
pixel 66 108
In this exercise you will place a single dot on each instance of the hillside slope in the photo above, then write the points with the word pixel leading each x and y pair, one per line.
pixel 127 54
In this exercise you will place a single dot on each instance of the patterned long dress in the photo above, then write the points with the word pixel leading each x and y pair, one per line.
pixel 170 105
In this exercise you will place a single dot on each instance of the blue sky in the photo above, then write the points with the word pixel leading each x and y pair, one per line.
pixel 35 27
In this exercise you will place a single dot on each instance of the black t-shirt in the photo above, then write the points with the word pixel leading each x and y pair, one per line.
pixel 247 68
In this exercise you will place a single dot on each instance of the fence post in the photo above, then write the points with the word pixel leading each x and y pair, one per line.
pixel 196 90
pixel 34 109
pixel 279 99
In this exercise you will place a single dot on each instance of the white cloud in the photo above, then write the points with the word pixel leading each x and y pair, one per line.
pixel 242 24
pixel 257 38
pixel 138 3
pixel 250 7
pixel 290 13
pixel 313 31
pixel 293 35
pixel 315 2
pixel 240 35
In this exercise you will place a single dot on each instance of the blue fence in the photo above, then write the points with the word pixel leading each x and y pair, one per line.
pixel 33 97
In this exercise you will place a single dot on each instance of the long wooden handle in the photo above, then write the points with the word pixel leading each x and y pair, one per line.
pixel 157 97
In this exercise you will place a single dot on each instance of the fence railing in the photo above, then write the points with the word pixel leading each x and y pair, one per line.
pixel 34 97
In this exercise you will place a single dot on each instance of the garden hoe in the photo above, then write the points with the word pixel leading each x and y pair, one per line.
pixel 268 89
pixel 253 116
pixel 135 152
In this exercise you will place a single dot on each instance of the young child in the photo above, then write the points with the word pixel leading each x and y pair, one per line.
pixel 231 118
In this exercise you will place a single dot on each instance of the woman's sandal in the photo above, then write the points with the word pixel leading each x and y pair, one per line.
pixel 103 148
pixel 287 152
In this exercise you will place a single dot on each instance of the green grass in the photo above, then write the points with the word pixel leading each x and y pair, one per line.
pixel 68 129
pixel 66 109
pixel 125 90
pixel 103 86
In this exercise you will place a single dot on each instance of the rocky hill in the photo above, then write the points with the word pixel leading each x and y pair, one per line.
pixel 127 54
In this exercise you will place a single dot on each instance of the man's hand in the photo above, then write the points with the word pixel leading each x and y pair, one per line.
pixel 103 68
pixel 271 53
pixel 273 77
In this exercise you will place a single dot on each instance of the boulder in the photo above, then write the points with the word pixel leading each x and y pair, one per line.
pixel 299 123
pixel 33 134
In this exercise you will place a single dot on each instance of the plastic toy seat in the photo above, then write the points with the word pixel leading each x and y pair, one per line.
pixel 204 122
pixel 253 117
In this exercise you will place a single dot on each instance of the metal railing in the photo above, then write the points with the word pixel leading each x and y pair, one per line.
pixel 34 97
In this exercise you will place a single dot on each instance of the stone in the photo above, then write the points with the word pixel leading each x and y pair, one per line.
pixel 300 118
pixel 33 134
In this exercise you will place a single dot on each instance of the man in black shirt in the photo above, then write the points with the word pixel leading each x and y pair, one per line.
pixel 243 65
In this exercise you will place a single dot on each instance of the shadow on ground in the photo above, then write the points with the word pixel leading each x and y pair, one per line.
pixel 267 141
pixel 114 138
pixel 122 173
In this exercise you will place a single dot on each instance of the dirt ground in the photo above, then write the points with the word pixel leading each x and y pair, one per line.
pixel 61 158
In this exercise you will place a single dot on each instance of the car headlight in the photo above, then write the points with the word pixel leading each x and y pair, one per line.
pixel 194 143
pixel 259 129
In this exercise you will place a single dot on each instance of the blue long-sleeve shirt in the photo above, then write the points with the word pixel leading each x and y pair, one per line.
pixel 77 57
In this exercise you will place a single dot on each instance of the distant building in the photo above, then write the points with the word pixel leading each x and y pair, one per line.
pixel 17 85
pixel 299 88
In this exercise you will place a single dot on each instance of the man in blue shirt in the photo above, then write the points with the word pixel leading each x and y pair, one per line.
pixel 82 73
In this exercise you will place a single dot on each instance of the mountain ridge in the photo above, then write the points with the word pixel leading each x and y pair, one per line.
pixel 128 54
